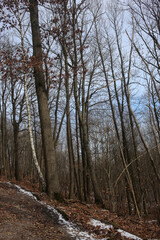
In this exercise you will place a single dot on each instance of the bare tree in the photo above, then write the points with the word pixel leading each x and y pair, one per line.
pixel 52 181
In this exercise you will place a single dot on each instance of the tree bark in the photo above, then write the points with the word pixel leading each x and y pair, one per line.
pixel 52 181
pixel 35 160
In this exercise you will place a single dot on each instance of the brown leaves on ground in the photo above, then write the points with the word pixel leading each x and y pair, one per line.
pixel 81 214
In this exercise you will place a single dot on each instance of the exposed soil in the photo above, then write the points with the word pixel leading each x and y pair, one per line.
pixel 21 217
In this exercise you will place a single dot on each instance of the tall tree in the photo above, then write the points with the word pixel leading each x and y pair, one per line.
pixel 52 181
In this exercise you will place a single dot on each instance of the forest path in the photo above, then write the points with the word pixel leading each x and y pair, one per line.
pixel 21 217
pixel 31 215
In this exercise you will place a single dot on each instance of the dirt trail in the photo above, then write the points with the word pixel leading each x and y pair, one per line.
pixel 21 217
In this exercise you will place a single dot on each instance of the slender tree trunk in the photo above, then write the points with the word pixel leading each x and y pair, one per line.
pixel 127 155
pixel 4 140
pixel 35 160
pixel 78 157
pixel 84 165
pixel 135 119
pixel 16 155
pixel 69 143
pixel 122 151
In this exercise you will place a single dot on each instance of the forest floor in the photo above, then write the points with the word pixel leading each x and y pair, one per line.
pixel 23 217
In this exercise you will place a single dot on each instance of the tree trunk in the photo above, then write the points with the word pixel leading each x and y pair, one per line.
pixel 35 160
pixel 52 181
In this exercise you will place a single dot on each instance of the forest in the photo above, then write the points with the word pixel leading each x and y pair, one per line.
pixel 80 100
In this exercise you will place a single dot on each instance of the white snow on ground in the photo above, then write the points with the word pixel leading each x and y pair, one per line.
pixel 72 229
pixel 108 227
pixel 25 192
pixel 98 223
pixel 152 221
pixel 128 235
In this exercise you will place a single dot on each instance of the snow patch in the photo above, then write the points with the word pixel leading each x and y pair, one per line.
pixel 97 223
pixel 128 235
pixel 152 221
pixel 25 192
